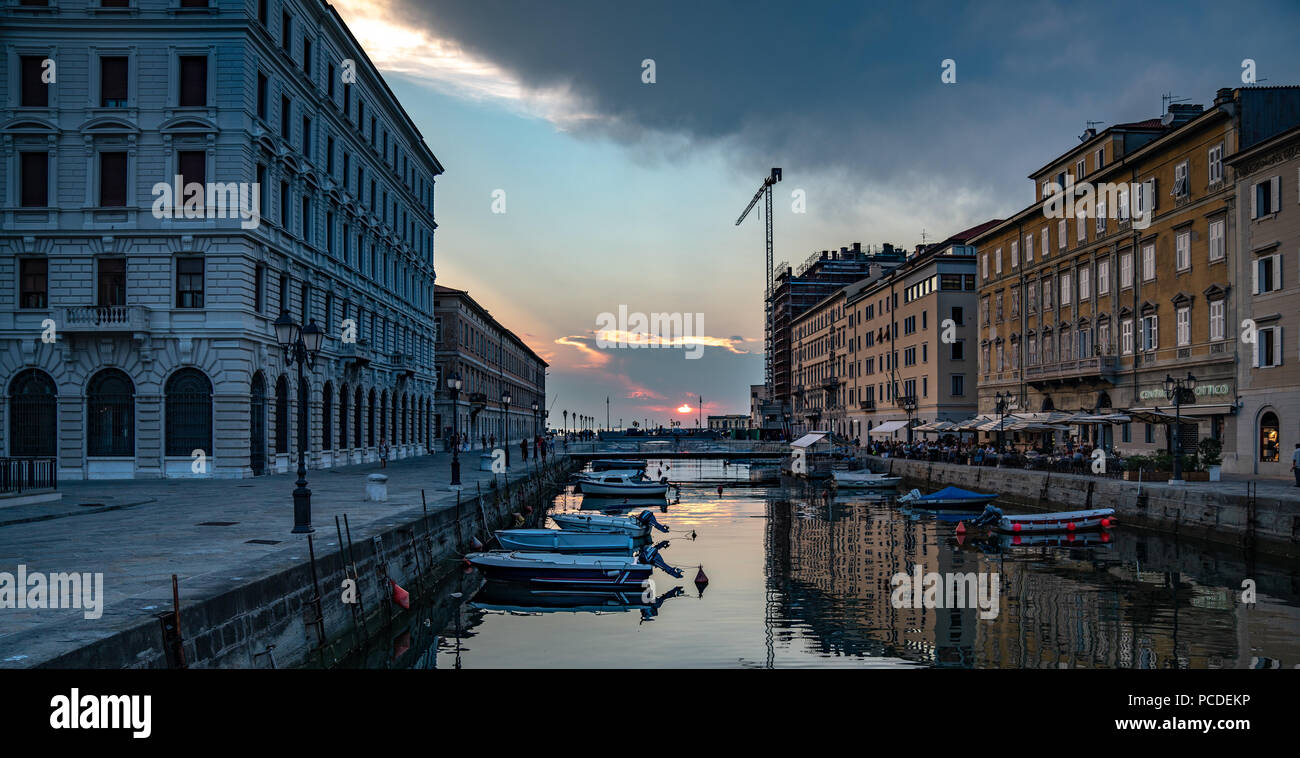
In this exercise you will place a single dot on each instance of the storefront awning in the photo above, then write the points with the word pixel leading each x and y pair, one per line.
pixel 887 427
pixel 808 440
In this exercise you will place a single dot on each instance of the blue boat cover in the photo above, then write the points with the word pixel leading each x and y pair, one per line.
pixel 956 493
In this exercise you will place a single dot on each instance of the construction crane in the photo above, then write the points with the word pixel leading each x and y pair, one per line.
pixel 765 191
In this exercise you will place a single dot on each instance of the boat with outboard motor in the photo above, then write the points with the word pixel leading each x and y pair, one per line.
pixel 558 569
pixel 948 498
pixel 636 526
pixel 558 541
pixel 1060 521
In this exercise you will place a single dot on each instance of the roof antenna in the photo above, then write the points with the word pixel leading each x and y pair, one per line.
pixel 1168 99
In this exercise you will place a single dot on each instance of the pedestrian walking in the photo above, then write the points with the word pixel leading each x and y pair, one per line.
pixel 1295 464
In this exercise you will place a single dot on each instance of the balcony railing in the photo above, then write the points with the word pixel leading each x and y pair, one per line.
pixel 18 475
pixel 105 318
pixel 1099 365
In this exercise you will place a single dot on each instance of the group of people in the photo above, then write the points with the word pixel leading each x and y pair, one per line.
pixel 542 445
pixel 1072 452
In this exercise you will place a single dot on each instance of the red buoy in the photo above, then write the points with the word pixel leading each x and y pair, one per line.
pixel 1016 539
pixel 1105 523
pixel 961 527
pixel 1015 527
pixel 701 580
pixel 400 596
pixel 1069 527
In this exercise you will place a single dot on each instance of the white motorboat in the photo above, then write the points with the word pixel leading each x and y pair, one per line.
pixel 863 479
pixel 623 484
pixel 636 526
pixel 554 569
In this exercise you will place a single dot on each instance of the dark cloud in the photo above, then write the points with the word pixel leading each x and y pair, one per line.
pixel 855 90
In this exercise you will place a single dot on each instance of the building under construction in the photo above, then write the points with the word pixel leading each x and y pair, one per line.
pixel 794 292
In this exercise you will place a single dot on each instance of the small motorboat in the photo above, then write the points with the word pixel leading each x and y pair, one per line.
pixel 863 480
pixel 584 476
pixel 610 464
pixel 948 498
pixel 635 526
pixel 556 541
pixel 623 484
pixel 584 571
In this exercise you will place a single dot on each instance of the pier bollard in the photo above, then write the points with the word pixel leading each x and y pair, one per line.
pixel 377 488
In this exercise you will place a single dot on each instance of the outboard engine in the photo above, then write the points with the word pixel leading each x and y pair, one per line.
pixel 647 518
pixel 650 555
pixel 991 514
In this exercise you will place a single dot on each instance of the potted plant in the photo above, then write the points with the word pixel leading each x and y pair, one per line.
pixel 1211 454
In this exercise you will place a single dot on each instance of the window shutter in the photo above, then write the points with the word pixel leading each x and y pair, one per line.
pixel 1152 196
pixel 1277 271
pixel 1275 194
pixel 1277 346
pixel 1254 354
pixel 1254 278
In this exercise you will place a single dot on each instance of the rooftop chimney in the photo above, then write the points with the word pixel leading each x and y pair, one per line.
pixel 857 247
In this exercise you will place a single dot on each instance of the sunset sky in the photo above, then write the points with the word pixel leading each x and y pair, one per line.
pixel 622 193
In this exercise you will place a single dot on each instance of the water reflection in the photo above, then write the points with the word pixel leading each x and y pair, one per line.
pixel 802 578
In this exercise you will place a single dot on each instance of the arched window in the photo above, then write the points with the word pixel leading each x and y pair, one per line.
pixel 356 419
pixel 370 419
pixel 189 413
pixel 110 414
pixel 343 418
pixel 257 425
pixel 327 416
pixel 282 415
pixel 1269 449
pixel 33 412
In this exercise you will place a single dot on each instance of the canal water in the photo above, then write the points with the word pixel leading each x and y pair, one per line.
pixel 801 577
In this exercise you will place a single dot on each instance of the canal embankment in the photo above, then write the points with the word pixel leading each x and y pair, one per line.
pixel 286 607
pixel 1265 519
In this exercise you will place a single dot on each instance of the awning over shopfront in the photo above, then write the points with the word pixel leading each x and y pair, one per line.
pixel 887 427
pixel 808 440
pixel 935 426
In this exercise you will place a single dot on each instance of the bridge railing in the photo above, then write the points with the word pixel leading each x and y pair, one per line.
pixel 733 447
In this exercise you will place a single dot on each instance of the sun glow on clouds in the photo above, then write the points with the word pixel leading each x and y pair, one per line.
pixel 684 408
pixel 446 66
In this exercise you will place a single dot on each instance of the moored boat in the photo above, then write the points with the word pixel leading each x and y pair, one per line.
pixel 587 571
pixel 863 480
pixel 636 526
pixel 1062 521
pixel 622 484
pixel 948 497
pixel 557 541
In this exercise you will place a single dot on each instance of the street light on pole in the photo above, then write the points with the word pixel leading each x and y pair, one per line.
pixel 454 384
pixel 1003 401
pixel 1174 391
pixel 505 424
pixel 301 345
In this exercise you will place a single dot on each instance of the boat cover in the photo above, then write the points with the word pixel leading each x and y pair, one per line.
pixel 955 493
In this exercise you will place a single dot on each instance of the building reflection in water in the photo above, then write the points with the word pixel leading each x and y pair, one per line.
pixel 1138 601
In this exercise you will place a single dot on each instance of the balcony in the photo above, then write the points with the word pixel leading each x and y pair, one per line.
pixel 1073 371
pixel 355 354
pixel 404 363
pixel 867 405
pixel 104 319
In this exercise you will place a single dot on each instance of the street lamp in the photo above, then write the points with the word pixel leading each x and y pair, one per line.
pixel 535 418
pixel 454 384
pixel 909 407
pixel 301 346
pixel 1174 389
pixel 1003 402
pixel 505 424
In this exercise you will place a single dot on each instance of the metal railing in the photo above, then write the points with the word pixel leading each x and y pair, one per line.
pixel 18 475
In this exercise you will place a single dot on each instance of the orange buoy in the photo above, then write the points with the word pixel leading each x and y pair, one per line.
pixel 1105 523
pixel 400 596
pixel 961 527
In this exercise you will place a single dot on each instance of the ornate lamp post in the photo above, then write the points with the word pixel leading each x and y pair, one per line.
pixel 301 346
pixel 1174 389
pixel 505 424
pixel 535 418
pixel 1003 402
pixel 909 407
pixel 454 383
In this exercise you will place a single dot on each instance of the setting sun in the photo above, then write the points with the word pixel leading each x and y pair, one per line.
pixel 685 408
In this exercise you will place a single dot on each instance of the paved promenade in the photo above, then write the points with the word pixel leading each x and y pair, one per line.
pixel 139 533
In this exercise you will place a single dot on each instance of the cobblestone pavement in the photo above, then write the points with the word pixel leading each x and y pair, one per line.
pixel 138 533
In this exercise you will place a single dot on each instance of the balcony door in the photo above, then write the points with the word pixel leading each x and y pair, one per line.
pixel 111 283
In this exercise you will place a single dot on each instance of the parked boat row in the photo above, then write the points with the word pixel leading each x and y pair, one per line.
pixel 951 501
pixel 589 551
